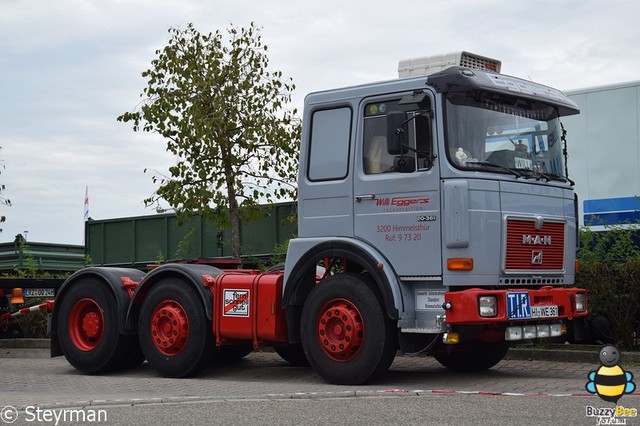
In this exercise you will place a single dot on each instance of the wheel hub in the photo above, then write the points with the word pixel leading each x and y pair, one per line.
pixel 86 324
pixel 169 327
pixel 340 329
pixel 91 324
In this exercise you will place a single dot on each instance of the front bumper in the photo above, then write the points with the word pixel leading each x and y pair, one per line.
pixel 521 305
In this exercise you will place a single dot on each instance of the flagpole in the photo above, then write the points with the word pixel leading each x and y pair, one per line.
pixel 86 211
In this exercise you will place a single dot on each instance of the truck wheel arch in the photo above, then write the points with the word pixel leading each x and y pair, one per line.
pixel 111 277
pixel 189 273
pixel 301 279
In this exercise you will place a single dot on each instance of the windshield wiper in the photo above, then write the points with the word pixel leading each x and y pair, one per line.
pixel 546 176
pixel 530 174
pixel 561 178
pixel 497 166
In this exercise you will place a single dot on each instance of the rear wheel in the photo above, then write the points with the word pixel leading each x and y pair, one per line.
pixel 174 332
pixel 477 356
pixel 87 328
pixel 346 335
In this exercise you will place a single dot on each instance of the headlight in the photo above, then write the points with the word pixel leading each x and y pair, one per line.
pixel 487 306
pixel 542 330
pixel 556 329
pixel 581 302
pixel 513 333
pixel 529 332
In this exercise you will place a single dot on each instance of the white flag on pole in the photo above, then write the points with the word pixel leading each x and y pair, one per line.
pixel 86 204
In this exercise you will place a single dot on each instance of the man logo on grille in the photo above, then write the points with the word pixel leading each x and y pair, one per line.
pixel 536 257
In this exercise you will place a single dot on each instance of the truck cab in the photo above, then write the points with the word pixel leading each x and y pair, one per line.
pixel 446 193
pixel 434 217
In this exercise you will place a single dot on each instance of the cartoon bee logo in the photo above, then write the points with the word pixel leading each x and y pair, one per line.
pixel 610 381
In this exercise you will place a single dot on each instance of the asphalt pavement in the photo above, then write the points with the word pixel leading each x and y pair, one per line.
pixel 32 378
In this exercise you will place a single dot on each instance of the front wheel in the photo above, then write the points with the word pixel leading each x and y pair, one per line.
pixel 175 333
pixel 346 335
pixel 477 356
pixel 292 353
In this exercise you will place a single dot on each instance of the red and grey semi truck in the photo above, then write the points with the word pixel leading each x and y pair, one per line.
pixel 434 216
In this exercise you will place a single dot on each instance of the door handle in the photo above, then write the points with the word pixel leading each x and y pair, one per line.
pixel 365 197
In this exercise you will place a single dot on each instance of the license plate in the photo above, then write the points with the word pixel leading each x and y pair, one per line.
pixel 38 292
pixel 544 311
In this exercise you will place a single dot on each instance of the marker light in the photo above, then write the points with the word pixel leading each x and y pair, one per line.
pixel 450 338
pixel 16 296
pixel 460 263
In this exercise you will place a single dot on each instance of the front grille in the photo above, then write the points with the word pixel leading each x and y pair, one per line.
pixel 534 249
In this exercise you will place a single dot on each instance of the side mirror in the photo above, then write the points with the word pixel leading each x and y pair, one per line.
pixel 397 132
pixel 404 164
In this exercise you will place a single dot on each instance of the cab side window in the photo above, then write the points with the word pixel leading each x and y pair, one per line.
pixel 329 145
pixel 376 157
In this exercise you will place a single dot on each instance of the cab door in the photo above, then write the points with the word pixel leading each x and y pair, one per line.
pixel 396 194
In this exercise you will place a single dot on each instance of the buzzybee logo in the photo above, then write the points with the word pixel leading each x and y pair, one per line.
pixel 610 382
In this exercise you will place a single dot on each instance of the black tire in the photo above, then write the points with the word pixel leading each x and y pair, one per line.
pixel 293 354
pixel 359 343
pixel 600 330
pixel 477 356
pixel 175 334
pixel 87 329
pixel 12 331
pixel 232 353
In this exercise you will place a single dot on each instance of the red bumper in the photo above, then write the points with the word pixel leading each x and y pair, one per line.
pixel 545 304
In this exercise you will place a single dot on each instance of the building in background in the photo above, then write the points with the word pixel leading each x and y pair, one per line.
pixel 604 153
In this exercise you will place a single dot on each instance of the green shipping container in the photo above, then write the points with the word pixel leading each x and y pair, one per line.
pixel 143 240
pixel 45 257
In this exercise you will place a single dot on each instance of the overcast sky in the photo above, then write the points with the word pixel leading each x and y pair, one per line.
pixel 68 68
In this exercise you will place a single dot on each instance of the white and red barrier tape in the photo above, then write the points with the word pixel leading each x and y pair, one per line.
pixel 4 318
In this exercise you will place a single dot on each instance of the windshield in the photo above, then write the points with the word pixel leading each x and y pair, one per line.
pixel 498 133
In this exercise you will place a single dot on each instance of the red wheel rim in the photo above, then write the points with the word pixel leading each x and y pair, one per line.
pixel 169 327
pixel 340 330
pixel 86 324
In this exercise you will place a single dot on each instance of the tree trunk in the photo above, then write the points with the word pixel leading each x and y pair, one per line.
pixel 234 213
pixel 235 227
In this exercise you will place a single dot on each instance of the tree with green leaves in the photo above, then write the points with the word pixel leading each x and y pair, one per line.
pixel 224 116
